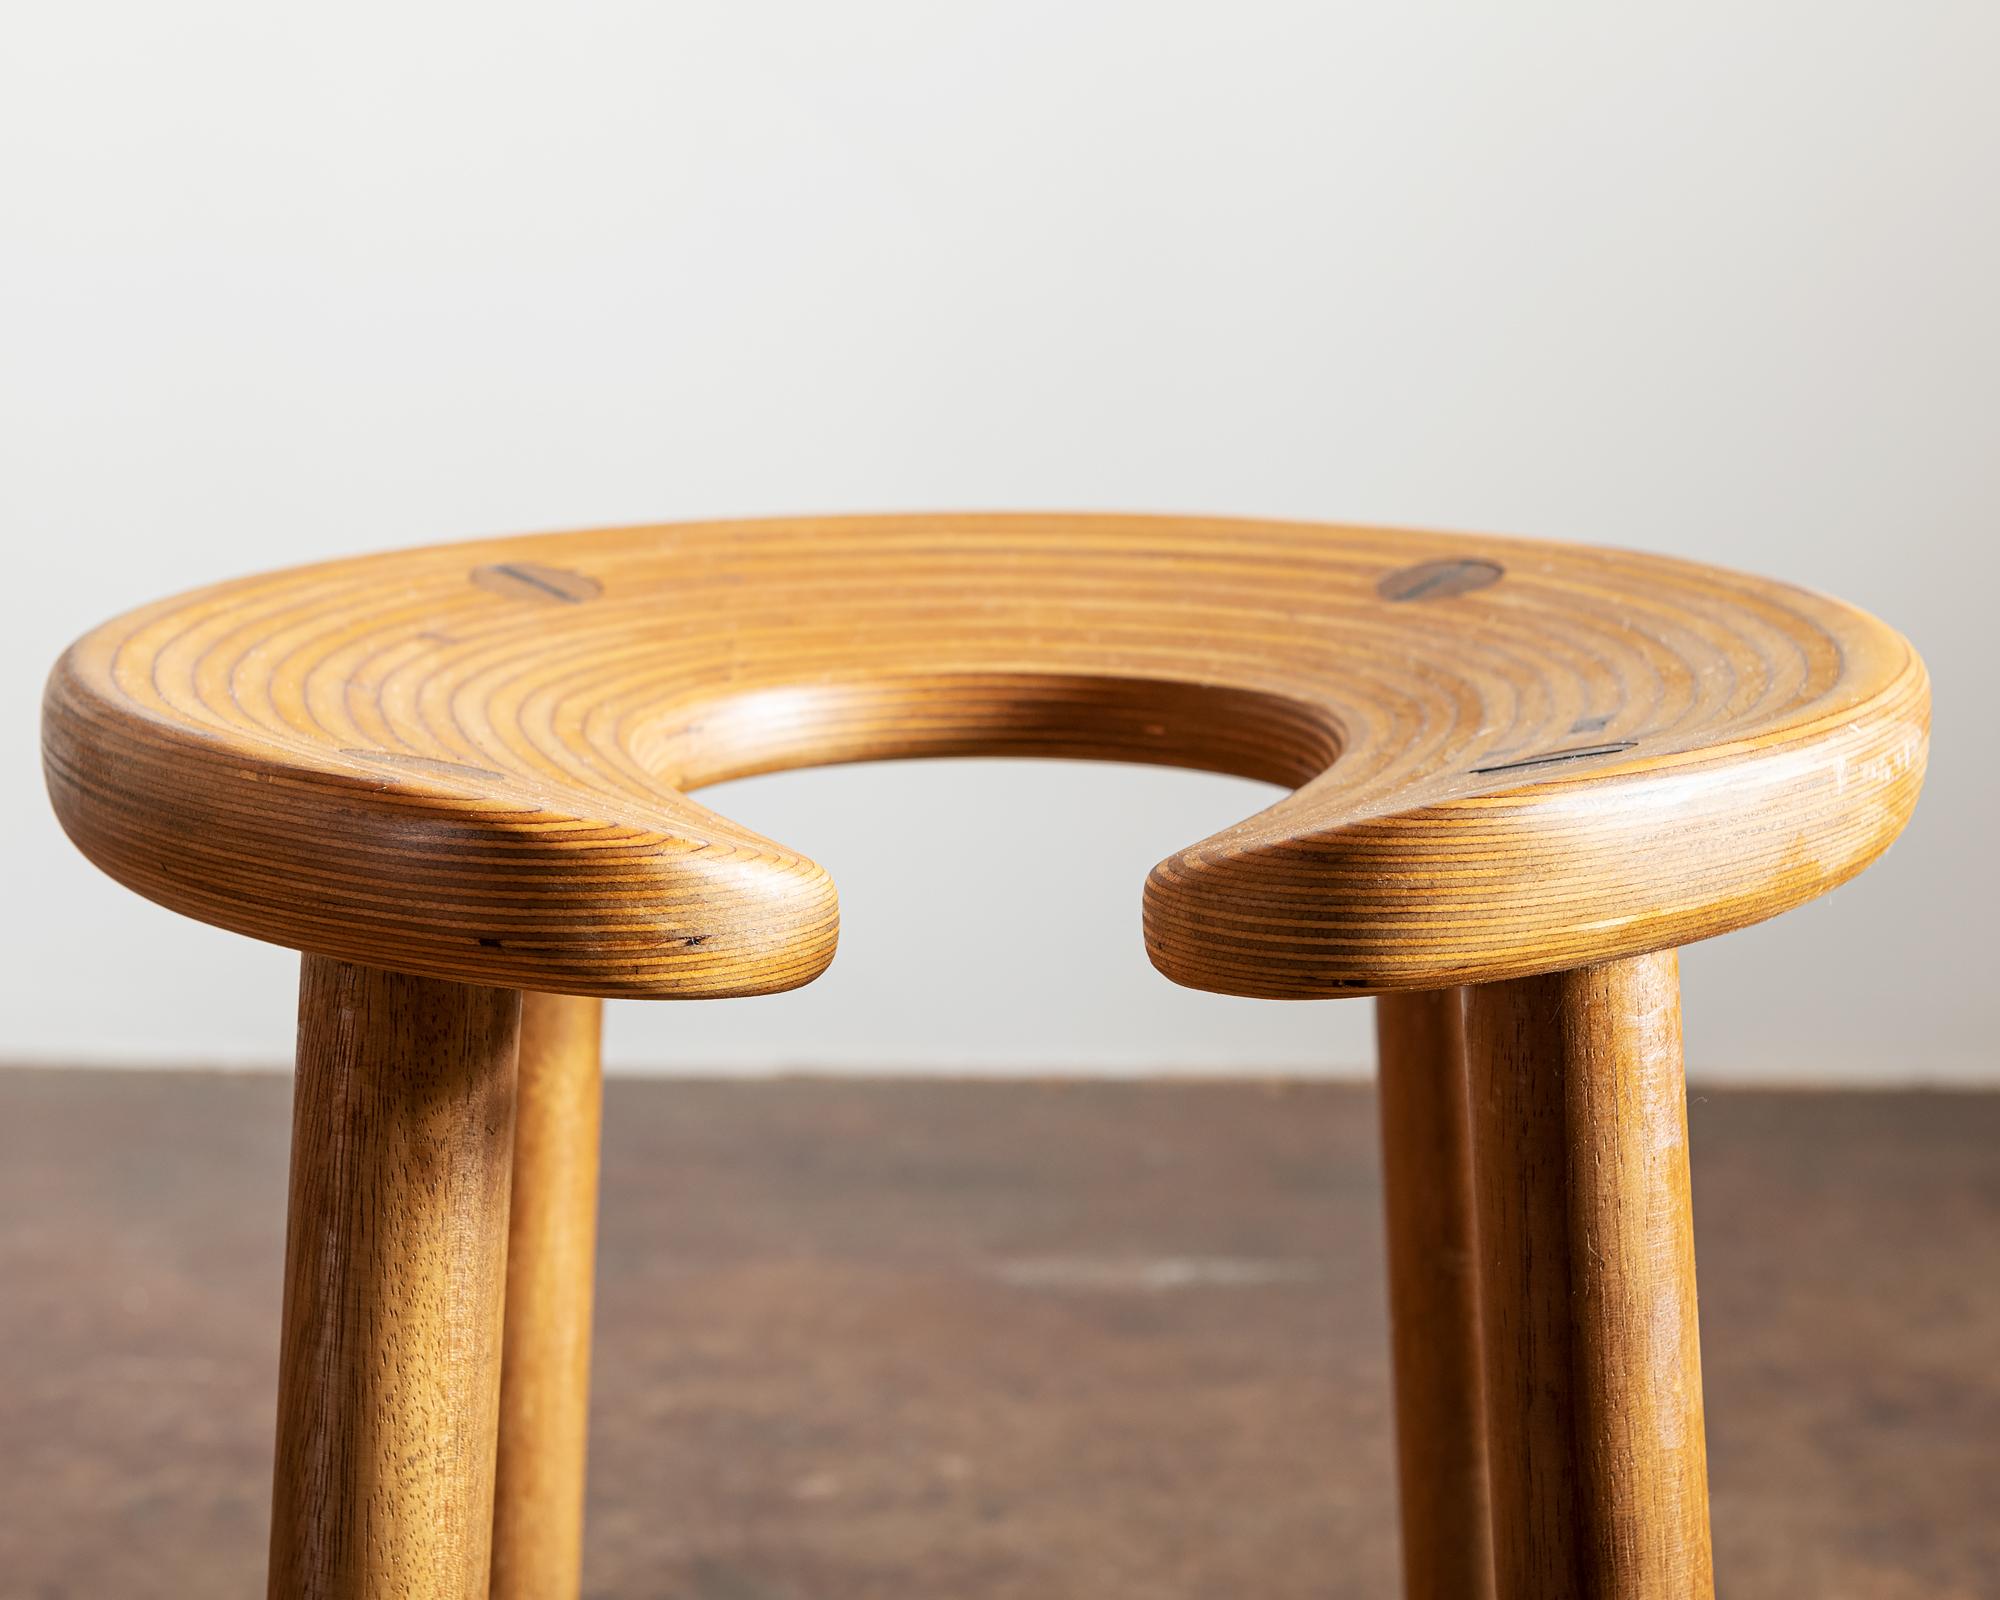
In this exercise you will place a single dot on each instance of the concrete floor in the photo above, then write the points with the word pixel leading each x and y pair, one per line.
pixel 975 1341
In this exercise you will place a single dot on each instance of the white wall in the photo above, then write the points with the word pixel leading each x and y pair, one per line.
pixel 1714 278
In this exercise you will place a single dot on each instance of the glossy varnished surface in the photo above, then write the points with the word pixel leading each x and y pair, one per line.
pixel 1592 1362
pixel 551 1281
pixel 394 1283
pixel 857 1340
pixel 473 761
pixel 1434 1337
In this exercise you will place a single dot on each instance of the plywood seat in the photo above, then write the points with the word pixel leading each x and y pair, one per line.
pixel 474 761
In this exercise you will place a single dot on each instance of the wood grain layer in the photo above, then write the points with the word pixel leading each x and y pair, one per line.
pixel 474 761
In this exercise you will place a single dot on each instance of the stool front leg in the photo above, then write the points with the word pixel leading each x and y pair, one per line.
pixel 1433 1296
pixel 395 1263
pixel 1593 1362
pixel 551 1261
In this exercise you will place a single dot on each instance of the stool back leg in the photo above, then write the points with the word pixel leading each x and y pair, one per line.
pixel 395 1260
pixel 1593 1363
pixel 1433 1296
pixel 551 1259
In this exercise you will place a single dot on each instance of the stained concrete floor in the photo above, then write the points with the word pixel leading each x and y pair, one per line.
pixel 967 1342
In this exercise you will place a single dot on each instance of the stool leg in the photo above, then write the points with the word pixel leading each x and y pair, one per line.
pixel 1433 1296
pixel 395 1257
pixel 1593 1363
pixel 551 1257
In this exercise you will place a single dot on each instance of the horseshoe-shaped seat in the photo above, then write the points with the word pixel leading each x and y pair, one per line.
pixel 474 761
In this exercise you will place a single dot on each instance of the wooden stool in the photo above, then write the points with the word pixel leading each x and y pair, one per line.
pixel 1522 774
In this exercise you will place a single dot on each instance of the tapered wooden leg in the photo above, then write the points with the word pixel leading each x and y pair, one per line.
pixel 545 1376
pixel 395 1258
pixel 1433 1296
pixel 1593 1365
